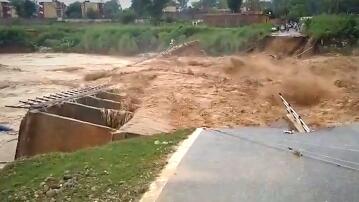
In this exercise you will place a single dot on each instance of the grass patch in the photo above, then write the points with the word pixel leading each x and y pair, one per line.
pixel 120 171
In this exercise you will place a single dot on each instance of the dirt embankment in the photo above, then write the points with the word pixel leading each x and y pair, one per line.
pixel 288 45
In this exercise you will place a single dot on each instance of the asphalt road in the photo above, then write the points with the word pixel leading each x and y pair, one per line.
pixel 264 164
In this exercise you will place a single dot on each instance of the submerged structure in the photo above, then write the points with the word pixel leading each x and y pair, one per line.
pixel 72 120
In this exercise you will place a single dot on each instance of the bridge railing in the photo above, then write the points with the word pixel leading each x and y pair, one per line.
pixel 299 123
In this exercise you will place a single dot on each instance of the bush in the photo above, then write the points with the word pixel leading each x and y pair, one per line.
pixel 14 37
pixel 127 16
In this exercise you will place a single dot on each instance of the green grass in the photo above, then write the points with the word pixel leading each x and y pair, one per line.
pixel 120 171
pixel 217 41
pixel 334 26
pixel 15 37
pixel 114 38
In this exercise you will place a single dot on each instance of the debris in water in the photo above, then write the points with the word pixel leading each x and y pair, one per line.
pixel 5 128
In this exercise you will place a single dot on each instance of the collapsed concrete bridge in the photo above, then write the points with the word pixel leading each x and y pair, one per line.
pixel 81 118
pixel 72 120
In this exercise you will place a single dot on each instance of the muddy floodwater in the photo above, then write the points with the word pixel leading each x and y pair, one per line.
pixel 172 92
pixel 24 76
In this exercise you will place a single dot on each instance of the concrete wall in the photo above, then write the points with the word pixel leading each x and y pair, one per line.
pixel 105 117
pixel 185 15
pixel 79 111
pixel 42 133
pixel 234 20
pixel 99 103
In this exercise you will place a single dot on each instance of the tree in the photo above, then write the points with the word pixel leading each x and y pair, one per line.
pixel 156 9
pixel 127 16
pixel 342 6
pixel 222 4
pixel 112 9
pixel 149 8
pixel 253 5
pixel 205 4
pixel 234 5
pixel 183 3
pixel 280 7
pixel 24 8
pixel 141 7
pixel 209 3
pixel 74 10
pixel 350 6
pixel 299 8
pixel 196 4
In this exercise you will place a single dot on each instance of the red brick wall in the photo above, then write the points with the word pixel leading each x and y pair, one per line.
pixel 234 20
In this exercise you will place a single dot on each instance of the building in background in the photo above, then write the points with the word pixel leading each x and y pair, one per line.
pixel 51 9
pixel 95 6
pixel 5 9
pixel 170 9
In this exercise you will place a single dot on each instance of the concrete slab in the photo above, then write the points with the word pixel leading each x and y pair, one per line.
pixel 41 132
pixel 100 103
pixel 255 164
pixel 110 96
pixel 79 111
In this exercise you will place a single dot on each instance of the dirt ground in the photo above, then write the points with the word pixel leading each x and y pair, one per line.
pixel 182 92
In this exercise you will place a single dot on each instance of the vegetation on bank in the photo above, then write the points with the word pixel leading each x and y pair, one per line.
pixel 294 9
pixel 334 26
pixel 129 39
pixel 115 38
pixel 335 33
pixel 120 171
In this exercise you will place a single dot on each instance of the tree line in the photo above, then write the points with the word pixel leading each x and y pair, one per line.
pixel 112 9
pixel 299 8
pixel 153 9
